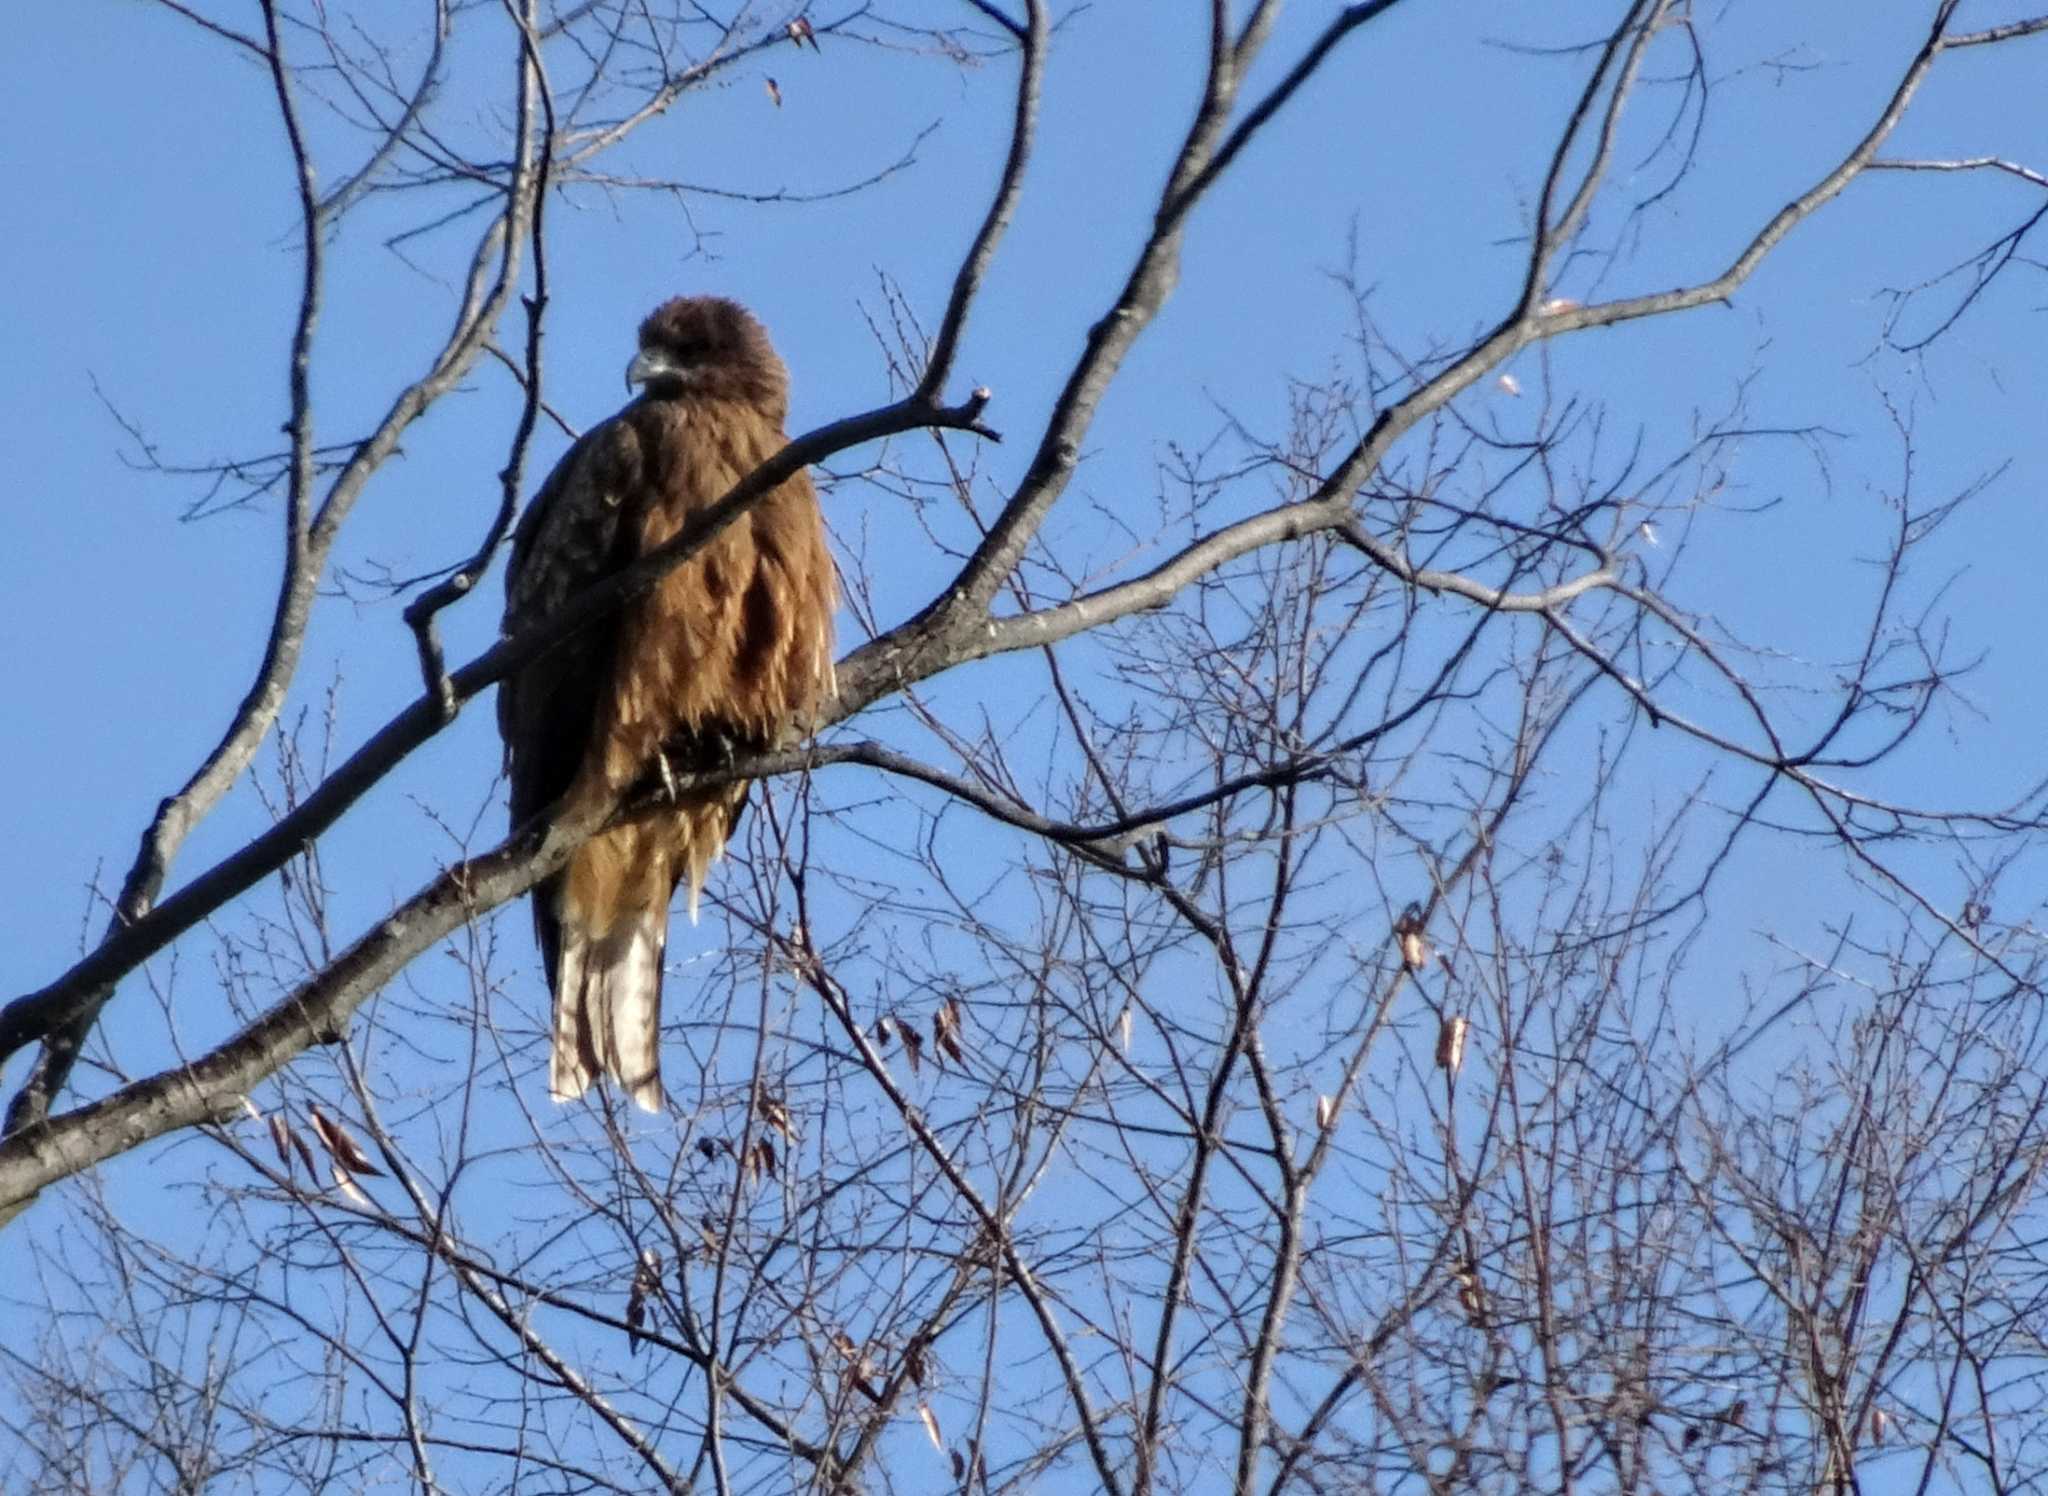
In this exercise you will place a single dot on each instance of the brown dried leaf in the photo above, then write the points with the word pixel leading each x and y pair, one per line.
pixel 345 1182
pixel 344 1149
pixel 800 31
pixel 931 1426
pixel 1450 1043
pixel 1326 1111
pixel 885 1032
pixel 774 93
pixel 776 1115
pixel 860 1368
pixel 281 1139
pixel 306 1157
pixel 1408 936
pixel 1471 1296
pixel 913 1046
pixel 646 1283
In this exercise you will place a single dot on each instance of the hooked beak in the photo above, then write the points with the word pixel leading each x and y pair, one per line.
pixel 649 365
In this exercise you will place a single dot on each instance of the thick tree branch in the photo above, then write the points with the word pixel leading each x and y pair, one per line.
pixel 309 544
pixel 30 1017
pixel 259 707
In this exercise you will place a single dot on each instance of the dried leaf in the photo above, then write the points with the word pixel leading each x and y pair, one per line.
pixel 1326 1111
pixel 1471 1296
pixel 946 1031
pixel 1649 532
pixel 281 1139
pixel 763 1158
pixel 885 1033
pixel 931 1426
pixel 959 1465
pixel 776 1115
pixel 1450 1043
pixel 1879 1419
pixel 1409 937
pixel 774 92
pixel 646 1283
pixel 800 31
pixel 1509 385
pixel 345 1150
pixel 1124 1024
pixel 913 1046
pixel 860 1368
pixel 305 1156
pixel 345 1182
pixel 914 1362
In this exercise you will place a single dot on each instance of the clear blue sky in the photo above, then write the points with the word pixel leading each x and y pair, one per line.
pixel 160 258
pixel 153 253
pixel 156 254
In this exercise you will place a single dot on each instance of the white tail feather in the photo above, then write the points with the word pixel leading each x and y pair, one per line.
pixel 568 1075
pixel 627 1008
pixel 608 1007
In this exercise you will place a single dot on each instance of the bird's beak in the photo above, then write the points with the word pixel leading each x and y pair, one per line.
pixel 649 365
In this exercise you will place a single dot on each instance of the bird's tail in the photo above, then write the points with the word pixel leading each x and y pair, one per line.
pixel 608 1009
pixel 610 909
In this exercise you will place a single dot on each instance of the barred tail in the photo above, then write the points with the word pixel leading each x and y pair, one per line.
pixel 609 932
pixel 608 1007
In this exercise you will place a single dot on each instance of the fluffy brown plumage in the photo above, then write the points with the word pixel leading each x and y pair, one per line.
pixel 729 651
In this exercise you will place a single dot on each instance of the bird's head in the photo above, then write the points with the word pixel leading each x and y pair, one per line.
pixel 708 348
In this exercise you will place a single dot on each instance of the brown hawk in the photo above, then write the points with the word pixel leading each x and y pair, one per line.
pixel 730 651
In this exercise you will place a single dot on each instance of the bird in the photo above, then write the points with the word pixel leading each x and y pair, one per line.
pixel 730 651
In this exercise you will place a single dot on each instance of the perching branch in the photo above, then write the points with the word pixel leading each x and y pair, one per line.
pixel 29 1018
pixel 311 534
